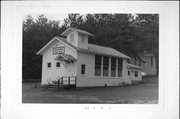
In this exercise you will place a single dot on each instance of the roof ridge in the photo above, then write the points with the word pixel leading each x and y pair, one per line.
pixel 92 48
pixel 68 43
pixel 102 46
pixel 82 31
pixel 104 49
pixel 60 37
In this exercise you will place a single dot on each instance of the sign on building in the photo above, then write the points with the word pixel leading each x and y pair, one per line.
pixel 58 50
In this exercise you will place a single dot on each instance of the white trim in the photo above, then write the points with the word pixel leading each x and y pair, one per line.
pixel 76 30
pixel 84 70
pixel 116 67
pixel 47 65
pixel 64 57
pixel 67 30
pixel 101 65
pixel 109 67
pixel 55 38
pixel 67 44
pixel 56 64
pixel 134 66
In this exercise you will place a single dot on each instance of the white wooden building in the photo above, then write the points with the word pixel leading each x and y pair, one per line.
pixel 91 65
pixel 148 63
pixel 149 66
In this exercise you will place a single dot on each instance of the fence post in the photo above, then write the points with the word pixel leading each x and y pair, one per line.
pixel 69 81
pixel 58 83
pixel 62 81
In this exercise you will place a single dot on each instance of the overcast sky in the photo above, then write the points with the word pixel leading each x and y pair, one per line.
pixel 59 17
pixel 56 17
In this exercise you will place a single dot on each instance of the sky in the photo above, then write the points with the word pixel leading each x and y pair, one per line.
pixel 56 17
pixel 59 17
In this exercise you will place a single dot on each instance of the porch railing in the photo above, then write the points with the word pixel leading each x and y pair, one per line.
pixel 67 81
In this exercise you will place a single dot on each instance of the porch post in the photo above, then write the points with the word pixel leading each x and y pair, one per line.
pixel 109 67
pixel 116 67
pixel 101 66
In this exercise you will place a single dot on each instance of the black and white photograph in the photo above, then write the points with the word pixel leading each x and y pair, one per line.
pixel 90 58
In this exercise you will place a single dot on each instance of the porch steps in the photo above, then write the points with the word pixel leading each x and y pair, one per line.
pixel 53 86
pixel 50 86
pixel 67 82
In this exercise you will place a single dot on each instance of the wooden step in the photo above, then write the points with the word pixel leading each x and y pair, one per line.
pixel 53 86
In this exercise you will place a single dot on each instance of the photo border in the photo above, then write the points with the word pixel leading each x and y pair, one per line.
pixel 12 63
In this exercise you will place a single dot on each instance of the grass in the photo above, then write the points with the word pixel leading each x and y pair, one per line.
pixel 132 94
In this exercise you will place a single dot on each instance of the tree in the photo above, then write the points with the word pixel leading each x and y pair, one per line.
pixel 73 20
pixel 127 33
pixel 36 33
pixel 149 32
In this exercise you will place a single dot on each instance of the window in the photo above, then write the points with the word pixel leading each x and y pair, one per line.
pixel 136 73
pixel 48 64
pixel 98 65
pixel 105 65
pixel 128 73
pixel 151 60
pixel 83 67
pixel 120 67
pixel 58 64
pixel 83 38
pixel 72 38
pixel 113 67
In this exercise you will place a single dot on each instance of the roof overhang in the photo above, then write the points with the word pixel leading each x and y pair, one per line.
pixel 67 31
pixel 77 31
pixel 60 39
pixel 131 66
pixel 97 53
pixel 65 57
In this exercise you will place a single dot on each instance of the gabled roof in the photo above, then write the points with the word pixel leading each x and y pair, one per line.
pixel 106 51
pixel 76 30
pixel 92 49
pixel 131 66
pixel 65 57
pixel 40 52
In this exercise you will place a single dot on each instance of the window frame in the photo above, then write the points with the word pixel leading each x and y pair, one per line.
pixel 135 73
pixel 105 66
pixel 59 64
pixel 129 73
pixel 120 67
pixel 48 65
pixel 83 69
pixel 98 65
pixel 113 66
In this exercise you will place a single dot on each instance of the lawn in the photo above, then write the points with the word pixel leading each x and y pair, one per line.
pixel 146 93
